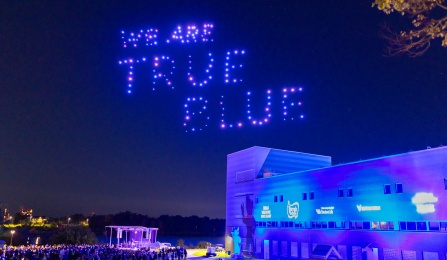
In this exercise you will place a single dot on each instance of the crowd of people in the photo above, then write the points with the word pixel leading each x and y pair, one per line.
pixel 87 252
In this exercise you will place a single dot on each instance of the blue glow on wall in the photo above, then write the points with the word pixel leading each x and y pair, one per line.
pixel 300 197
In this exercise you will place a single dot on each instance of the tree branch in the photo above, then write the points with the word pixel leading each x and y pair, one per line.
pixel 414 42
pixel 401 44
pixel 442 6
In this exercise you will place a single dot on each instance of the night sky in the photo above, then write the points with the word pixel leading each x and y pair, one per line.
pixel 73 141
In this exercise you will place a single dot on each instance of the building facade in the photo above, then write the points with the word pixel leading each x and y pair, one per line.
pixel 283 204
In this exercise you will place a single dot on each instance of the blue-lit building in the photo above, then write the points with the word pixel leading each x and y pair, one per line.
pixel 282 204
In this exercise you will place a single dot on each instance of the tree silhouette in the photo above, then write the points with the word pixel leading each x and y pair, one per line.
pixel 429 20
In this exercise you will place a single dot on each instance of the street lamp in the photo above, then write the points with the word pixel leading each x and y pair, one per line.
pixel 12 234
pixel 68 221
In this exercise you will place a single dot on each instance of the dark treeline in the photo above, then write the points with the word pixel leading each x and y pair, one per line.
pixel 167 225
pixel 78 228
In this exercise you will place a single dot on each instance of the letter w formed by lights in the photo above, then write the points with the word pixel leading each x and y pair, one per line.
pixel 182 57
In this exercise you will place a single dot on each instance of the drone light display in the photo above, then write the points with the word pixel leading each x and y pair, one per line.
pixel 199 71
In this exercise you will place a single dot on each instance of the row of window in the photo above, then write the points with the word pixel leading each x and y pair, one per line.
pixel 341 193
pixel 364 225
pixel 386 190
pixel 382 225
pixel 302 224
pixel 424 226
pixel 397 188
pixel 280 198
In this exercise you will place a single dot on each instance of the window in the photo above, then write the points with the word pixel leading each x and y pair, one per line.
pixel 403 225
pixel 319 224
pixel 398 188
pixel 304 196
pixel 336 224
pixel 349 194
pixel 357 225
pixel 383 225
pixel 375 225
pixel 443 226
pixel 275 199
pixel 274 247
pixel 422 226
pixel 340 224
pixel 311 195
pixel 433 226
pixel 286 224
pixel 340 193
pixel 411 225
pixel 281 198
pixel 366 225
pixel 391 225
pixel 284 248
pixel 293 250
pixel 257 200
pixel 386 189
pixel 299 225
